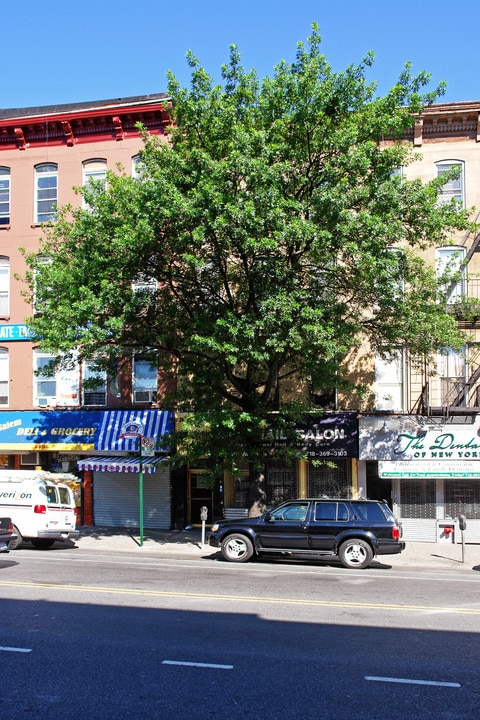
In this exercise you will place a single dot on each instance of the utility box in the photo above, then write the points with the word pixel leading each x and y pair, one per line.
pixel 446 531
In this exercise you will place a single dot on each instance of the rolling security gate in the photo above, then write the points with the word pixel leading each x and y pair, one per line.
pixel 116 500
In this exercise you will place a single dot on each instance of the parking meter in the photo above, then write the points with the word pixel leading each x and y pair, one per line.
pixel 462 524
pixel 203 517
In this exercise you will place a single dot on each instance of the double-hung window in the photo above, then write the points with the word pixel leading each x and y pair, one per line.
pixel 389 381
pixel 144 380
pixel 94 175
pixel 46 192
pixel 4 287
pixel 138 167
pixel 4 376
pixel 94 384
pixel 4 196
pixel 54 386
pixel 453 188
pixel 450 269
pixel 45 386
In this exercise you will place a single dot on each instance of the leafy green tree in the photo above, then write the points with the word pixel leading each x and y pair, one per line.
pixel 268 221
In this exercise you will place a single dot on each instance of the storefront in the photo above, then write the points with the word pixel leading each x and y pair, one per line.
pixel 60 440
pixel 432 470
pixel 329 446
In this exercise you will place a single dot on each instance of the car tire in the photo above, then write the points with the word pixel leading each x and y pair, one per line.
pixel 355 553
pixel 18 542
pixel 42 544
pixel 237 548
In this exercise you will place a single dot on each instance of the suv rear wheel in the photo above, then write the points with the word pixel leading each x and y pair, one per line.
pixel 355 554
pixel 237 548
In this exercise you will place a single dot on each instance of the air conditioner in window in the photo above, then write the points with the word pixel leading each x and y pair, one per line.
pixel 144 396
pixel 46 401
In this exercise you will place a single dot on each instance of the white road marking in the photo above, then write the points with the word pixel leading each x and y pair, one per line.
pixel 412 682
pixel 12 649
pixel 197 664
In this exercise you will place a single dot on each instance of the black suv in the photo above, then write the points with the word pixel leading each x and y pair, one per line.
pixel 353 530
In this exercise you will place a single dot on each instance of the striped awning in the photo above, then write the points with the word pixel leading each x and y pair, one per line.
pixel 155 424
pixel 120 464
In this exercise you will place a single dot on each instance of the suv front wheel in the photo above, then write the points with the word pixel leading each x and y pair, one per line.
pixel 237 548
pixel 355 554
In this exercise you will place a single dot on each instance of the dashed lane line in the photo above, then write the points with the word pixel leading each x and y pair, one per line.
pixel 243 598
pixel 411 681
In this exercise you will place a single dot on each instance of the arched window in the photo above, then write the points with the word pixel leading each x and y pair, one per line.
pixel 138 167
pixel 4 196
pixel 46 192
pixel 94 173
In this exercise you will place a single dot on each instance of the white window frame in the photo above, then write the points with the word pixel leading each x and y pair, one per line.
pixel 61 389
pixel 89 370
pixel 453 189
pixel 4 286
pixel 452 369
pixel 144 388
pixel 138 167
pixel 390 382
pixel 145 284
pixel 5 189
pixel 94 171
pixel 45 207
pixel 450 259
pixel 37 305
pixel 4 377
pixel 42 383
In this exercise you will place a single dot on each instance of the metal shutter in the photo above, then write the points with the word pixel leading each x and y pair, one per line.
pixel 116 500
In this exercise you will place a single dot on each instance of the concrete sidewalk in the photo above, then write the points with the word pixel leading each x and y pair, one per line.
pixel 189 543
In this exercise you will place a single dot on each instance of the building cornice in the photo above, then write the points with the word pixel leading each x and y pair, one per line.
pixel 82 122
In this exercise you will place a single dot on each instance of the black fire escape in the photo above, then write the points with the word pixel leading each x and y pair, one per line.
pixel 458 396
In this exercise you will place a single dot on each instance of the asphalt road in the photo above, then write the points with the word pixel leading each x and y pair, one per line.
pixel 109 635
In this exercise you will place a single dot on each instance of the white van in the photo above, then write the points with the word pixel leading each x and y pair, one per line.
pixel 42 509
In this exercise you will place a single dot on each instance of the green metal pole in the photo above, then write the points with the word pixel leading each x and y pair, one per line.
pixel 140 492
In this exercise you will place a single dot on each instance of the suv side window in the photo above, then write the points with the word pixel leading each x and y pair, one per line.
pixel 326 511
pixel 291 512
pixel 331 511
pixel 369 512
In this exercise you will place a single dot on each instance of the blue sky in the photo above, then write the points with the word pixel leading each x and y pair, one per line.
pixel 59 52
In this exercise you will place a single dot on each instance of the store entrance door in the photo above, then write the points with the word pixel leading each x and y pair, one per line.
pixel 199 495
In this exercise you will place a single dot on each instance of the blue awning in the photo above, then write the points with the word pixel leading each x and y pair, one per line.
pixel 79 430
pixel 155 424
pixel 120 464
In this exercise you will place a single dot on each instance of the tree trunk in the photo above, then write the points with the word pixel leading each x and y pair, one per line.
pixel 258 495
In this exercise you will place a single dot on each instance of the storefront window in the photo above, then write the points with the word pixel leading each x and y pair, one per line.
pixel 329 478
pixel 462 497
pixel 281 481
pixel 418 498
